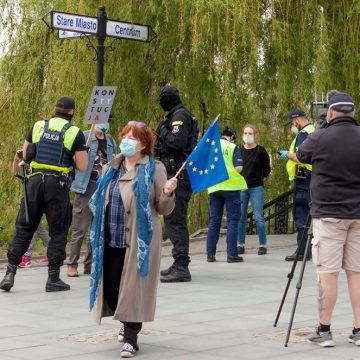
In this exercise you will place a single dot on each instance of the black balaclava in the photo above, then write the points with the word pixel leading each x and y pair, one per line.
pixel 169 101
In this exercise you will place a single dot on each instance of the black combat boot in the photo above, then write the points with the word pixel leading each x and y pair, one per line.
pixel 54 282
pixel 180 273
pixel 8 281
pixel 167 271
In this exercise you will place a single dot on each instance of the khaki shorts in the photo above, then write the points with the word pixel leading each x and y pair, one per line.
pixel 336 245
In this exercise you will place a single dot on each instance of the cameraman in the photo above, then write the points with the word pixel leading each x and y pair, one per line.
pixel 300 173
pixel 335 194
pixel 176 137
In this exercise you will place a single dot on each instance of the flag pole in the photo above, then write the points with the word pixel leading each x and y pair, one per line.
pixel 184 163
pixel 179 171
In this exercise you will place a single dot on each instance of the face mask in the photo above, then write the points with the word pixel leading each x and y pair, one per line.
pixel 294 130
pixel 248 139
pixel 104 128
pixel 128 147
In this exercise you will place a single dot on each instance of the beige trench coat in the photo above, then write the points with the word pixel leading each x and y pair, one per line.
pixel 137 295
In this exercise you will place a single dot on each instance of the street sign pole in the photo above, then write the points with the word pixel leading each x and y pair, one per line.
pixel 101 36
pixel 100 56
pixel 101 27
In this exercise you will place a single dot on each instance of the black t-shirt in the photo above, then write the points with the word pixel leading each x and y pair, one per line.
pixel 79 142
pixel 256 165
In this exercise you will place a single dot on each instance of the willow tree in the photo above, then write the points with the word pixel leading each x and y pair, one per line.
pixel 249 60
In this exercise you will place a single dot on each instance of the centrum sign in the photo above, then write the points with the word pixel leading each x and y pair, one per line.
pixel 124 30
pixel 74 22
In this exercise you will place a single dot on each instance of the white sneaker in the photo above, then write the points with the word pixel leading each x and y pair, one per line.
pixel 127 351
pixel 121 335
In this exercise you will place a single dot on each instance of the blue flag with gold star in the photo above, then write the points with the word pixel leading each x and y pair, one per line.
pixel 205 165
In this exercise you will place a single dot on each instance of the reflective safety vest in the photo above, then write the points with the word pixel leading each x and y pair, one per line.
pixel 292 166
pixel 54 139
pixel 235 181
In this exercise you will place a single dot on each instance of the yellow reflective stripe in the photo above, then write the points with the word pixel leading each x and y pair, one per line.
pixel 36 165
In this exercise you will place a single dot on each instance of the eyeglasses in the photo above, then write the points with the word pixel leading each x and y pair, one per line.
pixel 138 124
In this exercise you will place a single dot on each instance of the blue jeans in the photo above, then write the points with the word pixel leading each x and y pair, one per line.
pixel 231 200
pixel 256 196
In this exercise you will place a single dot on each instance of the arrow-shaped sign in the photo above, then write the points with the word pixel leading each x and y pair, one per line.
pixel 129 31
pixel 74 22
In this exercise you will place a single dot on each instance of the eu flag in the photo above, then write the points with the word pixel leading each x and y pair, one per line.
pixel 205 165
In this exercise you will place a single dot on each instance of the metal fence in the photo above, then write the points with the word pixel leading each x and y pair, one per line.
pixel 277 214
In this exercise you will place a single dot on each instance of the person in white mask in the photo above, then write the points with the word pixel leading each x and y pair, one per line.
pixel 102 149
pixel 301 174
pixel 256 167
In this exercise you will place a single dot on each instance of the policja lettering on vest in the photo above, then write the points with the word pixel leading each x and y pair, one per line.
pixel 50 162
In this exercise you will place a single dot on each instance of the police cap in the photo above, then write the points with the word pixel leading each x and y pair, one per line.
pixel 228 131
pixel 66 103
pixel 293 114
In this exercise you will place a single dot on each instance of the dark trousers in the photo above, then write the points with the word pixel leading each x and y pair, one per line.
pixel 231 200
pixel 112 270
pixel 301 210
pixel 176 223
pixel 81 220
pixel 45 196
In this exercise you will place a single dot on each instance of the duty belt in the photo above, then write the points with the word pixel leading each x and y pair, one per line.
pixel 302 173
pixel 64 179
pixel 46 172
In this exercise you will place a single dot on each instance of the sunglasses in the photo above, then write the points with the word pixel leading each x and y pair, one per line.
pixel 138 124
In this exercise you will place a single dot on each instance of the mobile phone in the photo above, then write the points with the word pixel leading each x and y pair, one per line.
pixel 19 154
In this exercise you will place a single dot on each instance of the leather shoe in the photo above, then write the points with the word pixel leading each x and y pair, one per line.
pixel 72 271
pixel 241 249
pixel 262 250
pixel 292 257
pixel 178 274
pixel 87 269
pixel 211 258
pixel 234 259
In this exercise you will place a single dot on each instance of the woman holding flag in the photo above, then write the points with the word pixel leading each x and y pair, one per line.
pixel 126 234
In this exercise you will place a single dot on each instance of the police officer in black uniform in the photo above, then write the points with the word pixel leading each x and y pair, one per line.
pixel 177 135
pixel 52 147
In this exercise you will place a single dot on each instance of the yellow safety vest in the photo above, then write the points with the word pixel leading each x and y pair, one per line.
pixel 55 124
pixel 292 166
pixel 235 181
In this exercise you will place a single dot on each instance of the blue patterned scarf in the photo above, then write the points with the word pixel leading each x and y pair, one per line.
pixel 142 189
pixel 97 207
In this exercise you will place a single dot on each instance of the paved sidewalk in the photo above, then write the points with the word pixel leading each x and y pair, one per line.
pixel 226 312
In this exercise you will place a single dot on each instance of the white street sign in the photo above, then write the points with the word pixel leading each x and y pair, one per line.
pixel 63 34
pixel 74 22
pixel 128 31
pixel 100 105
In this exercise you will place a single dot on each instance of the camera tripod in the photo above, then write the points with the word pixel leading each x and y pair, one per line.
pixel 306 237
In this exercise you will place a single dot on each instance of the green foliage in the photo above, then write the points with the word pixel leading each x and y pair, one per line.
pixel 250 60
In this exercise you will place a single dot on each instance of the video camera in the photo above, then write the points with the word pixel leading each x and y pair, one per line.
pixel 318 108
